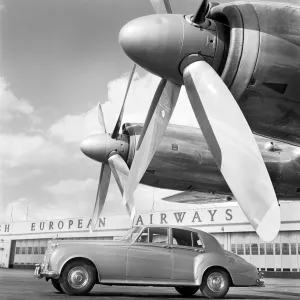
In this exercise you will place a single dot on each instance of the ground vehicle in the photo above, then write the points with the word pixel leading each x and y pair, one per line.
pixel 185 258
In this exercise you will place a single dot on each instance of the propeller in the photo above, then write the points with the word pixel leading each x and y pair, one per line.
pixel 102 148
pixel 170 46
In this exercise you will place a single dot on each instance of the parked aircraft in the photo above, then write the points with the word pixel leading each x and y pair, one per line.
pixel 239 63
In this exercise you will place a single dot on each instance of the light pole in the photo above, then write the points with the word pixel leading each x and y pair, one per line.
pixel 27 210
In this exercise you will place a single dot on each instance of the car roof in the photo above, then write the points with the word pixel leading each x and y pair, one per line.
pixel 209 240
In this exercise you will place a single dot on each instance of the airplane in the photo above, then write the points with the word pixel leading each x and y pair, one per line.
pixel 184 162
pixel 239 63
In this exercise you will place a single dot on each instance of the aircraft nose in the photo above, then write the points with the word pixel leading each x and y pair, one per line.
pixel 154 42
pixel 95 147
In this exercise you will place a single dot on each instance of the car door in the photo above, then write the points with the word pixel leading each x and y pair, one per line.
pixel 187 247
pixel 149 258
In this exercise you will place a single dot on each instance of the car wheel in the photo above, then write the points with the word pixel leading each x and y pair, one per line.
pixel 56 285
pixel 187 291
pixel 215 283
pixel 77 278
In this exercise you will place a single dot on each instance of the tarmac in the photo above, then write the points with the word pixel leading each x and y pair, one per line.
pixel 21 285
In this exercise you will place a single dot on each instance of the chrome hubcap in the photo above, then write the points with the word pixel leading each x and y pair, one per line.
pixel 215 282
pixel 78 277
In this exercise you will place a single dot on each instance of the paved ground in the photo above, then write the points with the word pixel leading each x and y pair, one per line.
pixel 20 285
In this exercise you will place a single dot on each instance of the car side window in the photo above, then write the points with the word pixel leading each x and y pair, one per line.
pixel 182 237
pixel 187 238
pixel 154 236
pixel 197 242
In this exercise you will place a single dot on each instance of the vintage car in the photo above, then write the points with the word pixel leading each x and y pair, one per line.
pixel 184 258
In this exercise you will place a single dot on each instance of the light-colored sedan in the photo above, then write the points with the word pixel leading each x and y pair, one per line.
pixel 184 258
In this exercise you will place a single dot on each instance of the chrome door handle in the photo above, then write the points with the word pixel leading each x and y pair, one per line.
pixel 199 250
pixel 167 247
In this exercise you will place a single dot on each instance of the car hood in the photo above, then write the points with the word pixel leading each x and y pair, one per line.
pixel 87 242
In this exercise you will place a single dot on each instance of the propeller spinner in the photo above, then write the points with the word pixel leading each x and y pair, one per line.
pixel 188 50
pixel 110 150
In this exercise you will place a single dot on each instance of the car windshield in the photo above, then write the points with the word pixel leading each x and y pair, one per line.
pixel 131 234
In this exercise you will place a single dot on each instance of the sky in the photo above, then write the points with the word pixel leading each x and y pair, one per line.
pixel 58 59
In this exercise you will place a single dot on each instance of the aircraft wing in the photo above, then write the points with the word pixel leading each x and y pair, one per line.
pixel 193 197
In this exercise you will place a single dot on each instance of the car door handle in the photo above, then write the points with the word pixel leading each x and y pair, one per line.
pixel 199 250
pixel 167 247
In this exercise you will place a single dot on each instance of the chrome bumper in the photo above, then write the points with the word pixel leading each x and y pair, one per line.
pixel 40 272
pixel 260 281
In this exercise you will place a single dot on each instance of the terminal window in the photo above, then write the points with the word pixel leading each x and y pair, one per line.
pixel 285 249
pixel 270 250
pixel 254 249
pixel 233 248
pixel 261 249
pixel 247 249
pixel 277 249
pixel 293 249
pixel 240 249
pixel 17 250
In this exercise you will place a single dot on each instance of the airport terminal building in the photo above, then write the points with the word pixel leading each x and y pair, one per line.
pixel 23 244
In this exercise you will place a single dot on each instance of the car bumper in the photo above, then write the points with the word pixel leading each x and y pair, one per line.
pixel 41 272
pixel 260 281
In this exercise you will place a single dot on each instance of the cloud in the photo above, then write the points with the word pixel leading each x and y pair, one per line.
pixel 10 106
pixel 15 211
pixel 23 150
pixel 74 128
pixel 71 186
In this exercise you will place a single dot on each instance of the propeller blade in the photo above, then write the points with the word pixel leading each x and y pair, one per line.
pixel 101 119
pixel 151 110
pixel 101 194
pixel 120 171
pixel 161 6
pixel 119 121
pixel 152 138
pixel 233 147
pixel 201 13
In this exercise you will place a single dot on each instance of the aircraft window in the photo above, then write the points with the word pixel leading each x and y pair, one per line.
pixel 154 235
pixel 277 249
pixel 262 249
pixel 285 249
pixel 240 249
pixel 254 249
pixel 174 147
pixel 293 249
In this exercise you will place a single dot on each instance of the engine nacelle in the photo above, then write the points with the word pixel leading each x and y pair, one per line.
pixel 263 63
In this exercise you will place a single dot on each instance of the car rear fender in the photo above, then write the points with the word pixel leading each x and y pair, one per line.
pixel 206 265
